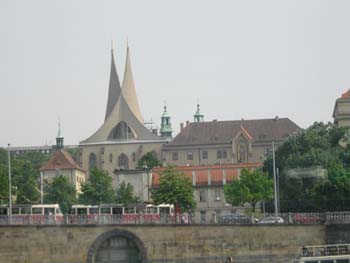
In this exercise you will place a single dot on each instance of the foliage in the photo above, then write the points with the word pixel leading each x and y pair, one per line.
pixel 61 191
pixel 125 194
pixel 321 145
pixel 98 189
pixel 252 187
pixel 149 160
pixel 174 187
pixel 74 152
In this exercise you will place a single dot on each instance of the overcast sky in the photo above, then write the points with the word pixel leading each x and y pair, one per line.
pixel 239 59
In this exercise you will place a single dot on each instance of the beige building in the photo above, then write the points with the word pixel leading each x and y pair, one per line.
pixel 341 113
pixel 122 139
pixel 62 163
pixel 226 142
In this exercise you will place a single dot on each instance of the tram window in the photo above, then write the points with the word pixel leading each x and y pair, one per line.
pixel 25 210
pixel 49 211
pixel 36 211
pixel 163 210
pixel 117 211
pixel 106 210
pixel 93 211
pixel 342 261
pixel 81 211
pixel 312 261
pixel 15 211
pixel 3 211
pixel 327 261
pixel 151 210
pixel 129 210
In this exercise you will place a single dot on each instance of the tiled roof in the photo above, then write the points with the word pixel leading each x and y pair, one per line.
pixel 216 171
pixel 222 132
pixel 61 160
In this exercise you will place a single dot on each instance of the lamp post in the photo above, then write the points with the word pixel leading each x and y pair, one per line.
pixel 274 179
pixel 10 185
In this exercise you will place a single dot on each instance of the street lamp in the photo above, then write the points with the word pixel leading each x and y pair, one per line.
pixel 274 179
pixel 10 185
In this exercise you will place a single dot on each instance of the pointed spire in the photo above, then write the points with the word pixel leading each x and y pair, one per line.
pixel 59 138
pixel 128 88
pixel 114 86
pixel 198 116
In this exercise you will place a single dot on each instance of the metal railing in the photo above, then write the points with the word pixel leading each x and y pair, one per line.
pixel 283 218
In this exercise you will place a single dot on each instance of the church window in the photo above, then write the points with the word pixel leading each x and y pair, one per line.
pixel 224 154
pixel 205 155
pixel 242 152
pixel 123 162
pixel 122 132
pixel 175 156
pixel 221 154
pixel 111 158
pixel 189 156
pixel 218 154
pixel 92 161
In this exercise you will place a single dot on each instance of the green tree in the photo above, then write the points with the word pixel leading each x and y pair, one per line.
pixel 174 187
pixel 149 160
pixel 251 187
pixel 125 194
pixel 61 191
pixel 98 189
pixel 323 145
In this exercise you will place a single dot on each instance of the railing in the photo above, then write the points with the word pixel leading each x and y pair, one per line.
pixel 283 218
pixel 323 252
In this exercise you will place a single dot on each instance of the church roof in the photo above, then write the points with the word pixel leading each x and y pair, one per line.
pixel 222 132
pixel 114 88
pixel 128 88
pixel 122 106
pixel 61 160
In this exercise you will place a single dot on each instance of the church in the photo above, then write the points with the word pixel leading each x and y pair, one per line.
pixel 122 139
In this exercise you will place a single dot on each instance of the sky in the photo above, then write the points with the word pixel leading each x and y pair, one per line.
pixel 237 59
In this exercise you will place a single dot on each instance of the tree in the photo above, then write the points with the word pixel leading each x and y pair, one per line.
pixel 322 145
pixel 252 187
pixel 174 187
pixel 61 191
pixel 98 189
pixel 125 194
pixel 149 160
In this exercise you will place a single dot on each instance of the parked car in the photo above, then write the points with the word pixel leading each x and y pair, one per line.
pixel 237 219
pixel 271 220
pixel 307 218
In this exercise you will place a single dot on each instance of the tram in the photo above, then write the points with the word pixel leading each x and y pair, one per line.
pixel 339 253
pixel 118 213
pixel 33 214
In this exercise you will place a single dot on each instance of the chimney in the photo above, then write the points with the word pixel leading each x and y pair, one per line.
pixel 181 126
pixel 187 122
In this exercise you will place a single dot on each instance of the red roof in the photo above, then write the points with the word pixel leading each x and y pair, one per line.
pixel 201 172
pixel 346 94
pixel 61 160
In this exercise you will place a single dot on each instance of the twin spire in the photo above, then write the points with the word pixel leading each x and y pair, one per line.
pixel 127 90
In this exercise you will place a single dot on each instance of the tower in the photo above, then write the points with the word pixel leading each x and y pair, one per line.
pixel 59 138
pixel 198 117
pixel 341 113
pixel 165 128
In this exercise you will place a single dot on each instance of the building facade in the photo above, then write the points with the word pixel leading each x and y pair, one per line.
pixel 341 112
pixel 226 142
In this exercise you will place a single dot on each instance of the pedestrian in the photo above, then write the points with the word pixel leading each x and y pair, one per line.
pixel 229 259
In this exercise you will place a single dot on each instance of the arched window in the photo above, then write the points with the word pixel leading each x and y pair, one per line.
pixel 242 152
pixel 123 162
pixel 92 161
pixel 122 132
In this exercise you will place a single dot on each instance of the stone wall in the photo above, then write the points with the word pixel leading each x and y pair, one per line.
pixel 181 243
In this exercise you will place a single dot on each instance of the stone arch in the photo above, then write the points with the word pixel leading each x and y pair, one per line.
pixel 96 245
pixel 92 161
pixel 123 162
